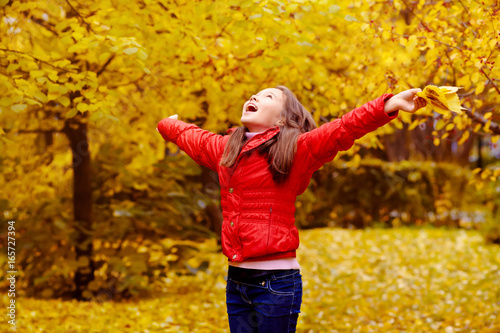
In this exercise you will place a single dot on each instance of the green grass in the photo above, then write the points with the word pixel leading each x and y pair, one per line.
pixel 392 280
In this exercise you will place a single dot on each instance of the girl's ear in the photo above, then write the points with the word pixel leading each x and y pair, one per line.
pixel 280 122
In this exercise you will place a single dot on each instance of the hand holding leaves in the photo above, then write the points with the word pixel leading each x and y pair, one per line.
pixel 442 99
pixel 407 101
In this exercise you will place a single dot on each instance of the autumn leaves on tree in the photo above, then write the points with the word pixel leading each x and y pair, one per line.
pixel 84 83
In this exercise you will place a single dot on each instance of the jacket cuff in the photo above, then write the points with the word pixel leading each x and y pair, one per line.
pixel 381 116
pixel 170 129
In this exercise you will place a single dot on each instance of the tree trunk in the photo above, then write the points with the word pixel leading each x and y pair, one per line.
pixel 396 145
pixel 479 149
pixel 76 131
pixel 211 188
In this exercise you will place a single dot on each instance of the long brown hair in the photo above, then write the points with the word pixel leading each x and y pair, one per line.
pixel 281 148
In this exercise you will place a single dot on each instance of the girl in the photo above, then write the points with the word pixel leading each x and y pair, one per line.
pixel 262 167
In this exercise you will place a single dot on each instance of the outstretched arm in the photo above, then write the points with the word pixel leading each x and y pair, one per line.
pixel 327 140
pixel 339 134
pixel 202 146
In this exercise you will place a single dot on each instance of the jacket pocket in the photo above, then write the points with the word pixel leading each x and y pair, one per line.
pixel 269 227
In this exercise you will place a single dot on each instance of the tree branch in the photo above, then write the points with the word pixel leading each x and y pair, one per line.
pixel 37 131
pixel 491 81
pixel 41 23
pixel 494 127
pixel 434 40
pixel 99 72
pixel 80 16
pixel 127 83
pixel 421 21
pixel 39 60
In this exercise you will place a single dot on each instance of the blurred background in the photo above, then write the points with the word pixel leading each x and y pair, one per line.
pixel 105 209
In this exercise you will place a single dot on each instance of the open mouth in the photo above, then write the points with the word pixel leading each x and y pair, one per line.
pixel 251 108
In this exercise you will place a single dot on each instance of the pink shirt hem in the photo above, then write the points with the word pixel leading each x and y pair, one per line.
pixel 285 263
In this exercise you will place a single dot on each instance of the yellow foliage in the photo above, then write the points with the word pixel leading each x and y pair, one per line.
pixel 135 62
pixel 428 280
pixel 442 99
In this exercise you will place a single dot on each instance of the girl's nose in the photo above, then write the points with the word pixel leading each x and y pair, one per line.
pixel 254 98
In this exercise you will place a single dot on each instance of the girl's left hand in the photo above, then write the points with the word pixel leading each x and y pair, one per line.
pixel 175 116
pixel 406 101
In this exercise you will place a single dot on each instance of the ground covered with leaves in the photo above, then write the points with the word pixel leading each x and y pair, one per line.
pixel 397 280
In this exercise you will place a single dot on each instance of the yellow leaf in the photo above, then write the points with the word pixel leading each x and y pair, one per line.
pixel 54 77
pixel 82 107
pixel 449 89
pixel 474 77
pixel 12 67
pixel 76 48
pixel 414 124
pixel 5 101
pixel 71 113
pixel 32 101
pixel 89 94
pixel 104 56
pixel 41 97
pixel 350 18
pixel 485 174
pixel 77 36
pixel 440 124
pixel 453 103
pixel 430 43
pixel 488 115
pixel 412 42
pixel 41 79
pixel 487 126
pixel 398 124
pixel 479 88
pixel 130 50
pixel 18 107
pixel 442 99
pixel 464 137
pixel 64 100
pixel 142 55
pixel 52 96
pixel 436 141
pixel 36 73
pixel 450 126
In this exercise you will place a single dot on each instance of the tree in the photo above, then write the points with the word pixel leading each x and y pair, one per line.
pixel 86 84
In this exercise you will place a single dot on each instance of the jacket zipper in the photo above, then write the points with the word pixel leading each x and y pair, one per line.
pixel 269 226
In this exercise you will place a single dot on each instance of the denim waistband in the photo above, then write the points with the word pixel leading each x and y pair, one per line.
pixel 255 275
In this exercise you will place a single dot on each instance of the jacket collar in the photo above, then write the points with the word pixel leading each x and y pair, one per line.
pixel 257 139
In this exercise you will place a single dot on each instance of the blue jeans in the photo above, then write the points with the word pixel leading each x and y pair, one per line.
pixel 263 301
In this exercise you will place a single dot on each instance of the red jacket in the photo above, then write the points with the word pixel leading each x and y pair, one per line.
pixel 258 216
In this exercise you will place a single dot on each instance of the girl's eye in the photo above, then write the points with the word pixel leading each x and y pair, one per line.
pixel 269 96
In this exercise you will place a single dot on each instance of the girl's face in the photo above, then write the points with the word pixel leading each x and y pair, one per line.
pixel 263 110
